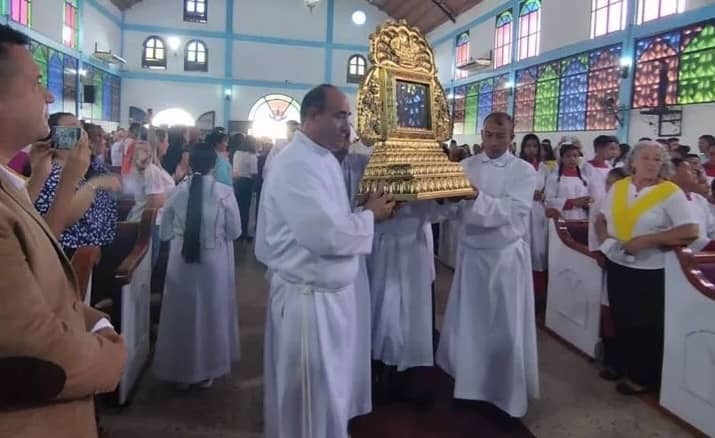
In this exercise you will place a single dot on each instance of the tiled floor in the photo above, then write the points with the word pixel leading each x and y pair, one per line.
pixel 574 401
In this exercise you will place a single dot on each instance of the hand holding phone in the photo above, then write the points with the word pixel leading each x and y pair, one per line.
pixel 65 137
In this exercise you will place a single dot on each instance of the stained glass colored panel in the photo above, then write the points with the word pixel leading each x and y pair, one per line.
pixel 502 40
pixel 107 98
pixel 21 12
pixel 525 100
pixel 69 85
pixel 607 16
pixel 486 95
pixel 547 98
pixel 98 95
pixel 55 79
pixel 529 28
pixel 470 109
pixel 462 55
pixel 604 81
pixel 572 96
pixel 116 98
pixel 697 66
pixel 500 100
pixel 458 112
pixel 87 79
pixel 651 55
pixel 39 54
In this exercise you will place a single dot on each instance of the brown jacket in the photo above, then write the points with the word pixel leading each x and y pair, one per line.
pixel 42 317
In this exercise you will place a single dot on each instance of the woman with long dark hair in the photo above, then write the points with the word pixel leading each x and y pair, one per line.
pixel 198 330
pixel 531 153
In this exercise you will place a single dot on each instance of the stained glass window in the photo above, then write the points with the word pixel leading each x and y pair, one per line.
pixel 572 97
pixel 462 55
pixel 458 110
pixel 69 85
pixel 656 62
pixel 21 11
pixel 547 98
pixel 195 10
pixel 70 29
pixel 604 81
pixel 196 56
pixel 502 40
pixel 97 107
pixel 607 16
pixel 471 103
pixel 486 101
pixel 39 54
pixel 696 81
pixel 107 97
pixel 116 98
pixel 3 7
pixel 654 9
pixel 529 28
pixel 154 53
pixel 525 99
pixel 269 114
pixel 55 81
pixel 500 100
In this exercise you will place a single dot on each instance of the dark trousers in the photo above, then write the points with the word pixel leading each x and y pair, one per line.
pixel 637 300
pixel 243 187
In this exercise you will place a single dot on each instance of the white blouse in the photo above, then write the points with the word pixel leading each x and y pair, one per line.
pixel 153 181
pixel 673 212
pixel 557 192
pixel 245 164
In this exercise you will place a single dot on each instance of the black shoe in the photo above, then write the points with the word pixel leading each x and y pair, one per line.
pixel 609 375
pixel 630 389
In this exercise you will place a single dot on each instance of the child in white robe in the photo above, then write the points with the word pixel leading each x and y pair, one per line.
pixel 567 189
pixel 198 331
pixel 531 153
pixel 595 171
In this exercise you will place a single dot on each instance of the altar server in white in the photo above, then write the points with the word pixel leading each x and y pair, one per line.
pixel 567 188
pixel 531 153
pixel 311 241
pixel 488 339
pixel 685 178
pixel 596 171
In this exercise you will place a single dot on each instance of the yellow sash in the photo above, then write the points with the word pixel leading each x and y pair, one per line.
pixel 625 217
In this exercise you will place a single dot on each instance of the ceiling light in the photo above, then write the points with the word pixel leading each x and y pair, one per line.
pixel 174 42
pixel 359 18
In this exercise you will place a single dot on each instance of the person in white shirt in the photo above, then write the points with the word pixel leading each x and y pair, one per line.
pixel 531 153
pixel 596 171
pixel 567 189
pixel 291 128
pixel 642 217
pixel 488 338
pixel 311 241
pixel 116 152
pixel 245 169
pixel 685 178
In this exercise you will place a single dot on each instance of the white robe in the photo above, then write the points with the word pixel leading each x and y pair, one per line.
pixel 198 330
pixel 488 339
pixel 538 225
pixel 558 191
pixel 401 271
pixel 596 177
pixel 706 229
pixel 311 241
pixel 353 166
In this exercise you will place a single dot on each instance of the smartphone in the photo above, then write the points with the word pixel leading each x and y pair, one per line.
pixel 65 137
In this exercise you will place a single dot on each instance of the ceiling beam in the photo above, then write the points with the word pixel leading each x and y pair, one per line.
pixel 443 7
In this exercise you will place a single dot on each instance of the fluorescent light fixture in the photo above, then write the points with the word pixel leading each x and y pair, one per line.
pixel 359 17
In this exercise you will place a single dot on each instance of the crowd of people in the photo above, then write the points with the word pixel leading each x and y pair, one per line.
pixel 350 307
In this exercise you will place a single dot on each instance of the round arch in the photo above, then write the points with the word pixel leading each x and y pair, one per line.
pixel 270 113
pixel 173 117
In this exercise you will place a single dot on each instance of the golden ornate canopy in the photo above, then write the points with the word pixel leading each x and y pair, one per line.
pixel 402 109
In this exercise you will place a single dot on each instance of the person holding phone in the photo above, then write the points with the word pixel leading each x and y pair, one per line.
pixel 92 214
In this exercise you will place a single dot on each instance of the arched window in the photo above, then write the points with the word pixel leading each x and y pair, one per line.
pixel 529 28
pixel 502 41
pixel 607 16
pixel 21 11
pixel 70 30
pixel 173 117
pixel 461 56
pixel 270 113
pixel 654 9
pixel 195 11
pixel 357 66
pixel 196 57
pixel 154 53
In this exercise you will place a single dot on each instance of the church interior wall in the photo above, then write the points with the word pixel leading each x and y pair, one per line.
pixel 169 14
pixel 278 19
pixel 101 30
pixel 278 63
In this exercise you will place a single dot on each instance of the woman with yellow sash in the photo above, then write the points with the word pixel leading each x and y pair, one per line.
pixel 642 217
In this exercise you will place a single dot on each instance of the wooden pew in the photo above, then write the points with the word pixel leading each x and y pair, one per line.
pixel 121 285
pixel 83 261
pixel 573 307
pixel 688 382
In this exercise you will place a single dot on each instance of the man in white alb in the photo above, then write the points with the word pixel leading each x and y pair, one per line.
pixel 311 241
pixel 488 338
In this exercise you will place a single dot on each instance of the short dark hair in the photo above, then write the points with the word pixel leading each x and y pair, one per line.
pixel 315 99
pixel 672 139
pixel 500 118
pixel 709 139
pixel 644 139
pixel 677 162
pixel 603 140
pixel 9 37
pixel 696 156
pixel 617 172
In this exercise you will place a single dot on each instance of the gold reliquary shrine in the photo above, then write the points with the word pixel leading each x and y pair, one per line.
pixel 402 110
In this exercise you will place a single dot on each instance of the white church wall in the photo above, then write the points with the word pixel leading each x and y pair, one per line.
pixel 170 14
pixel 697 120
pixel 100 30
pixel 280 19
pixel 491 7
pixel 47 18
pixel 280 63
pixel 160 95
pixel 564 23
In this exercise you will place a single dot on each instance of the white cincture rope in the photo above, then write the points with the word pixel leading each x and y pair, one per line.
pixel 306 291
